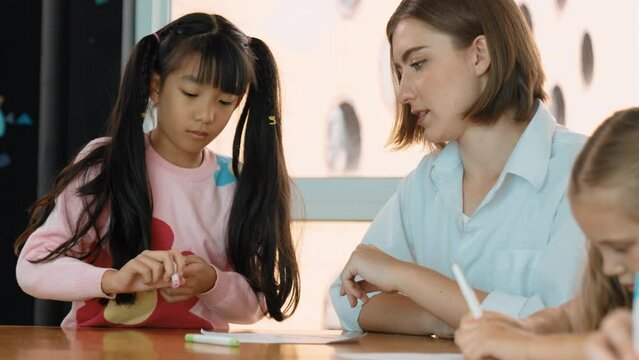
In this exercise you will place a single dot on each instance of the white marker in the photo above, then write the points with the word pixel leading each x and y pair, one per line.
pixel 175 278
pixel 467 291
pixel 212 339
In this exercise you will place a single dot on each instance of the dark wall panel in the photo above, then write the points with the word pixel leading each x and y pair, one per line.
pixel 88 50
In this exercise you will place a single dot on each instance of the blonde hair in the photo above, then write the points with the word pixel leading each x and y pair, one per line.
pixel 610 159
pixel 599 294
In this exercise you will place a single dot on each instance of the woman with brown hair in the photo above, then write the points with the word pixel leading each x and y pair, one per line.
pixel 491 196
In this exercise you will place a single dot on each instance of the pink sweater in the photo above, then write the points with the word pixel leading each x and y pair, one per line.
pixel 190 213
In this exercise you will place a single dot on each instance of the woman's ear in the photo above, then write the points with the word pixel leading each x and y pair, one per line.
pixel 480 55
pixel 154 88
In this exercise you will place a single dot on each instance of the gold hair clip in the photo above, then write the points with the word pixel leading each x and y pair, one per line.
pixel 272 120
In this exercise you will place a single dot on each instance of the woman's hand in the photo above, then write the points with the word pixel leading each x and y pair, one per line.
pixel 493 336
pixel 377 269
pixel 614 338
pixel 199 277
pixel 148 271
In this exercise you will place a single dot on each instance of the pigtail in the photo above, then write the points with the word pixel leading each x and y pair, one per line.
pixel 121 183
pixel 126 179
pixel 260 243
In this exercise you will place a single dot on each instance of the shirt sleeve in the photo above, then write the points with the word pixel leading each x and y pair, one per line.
pixel 65 278
pixel 233 299
pixel 387 233
pixel 555 276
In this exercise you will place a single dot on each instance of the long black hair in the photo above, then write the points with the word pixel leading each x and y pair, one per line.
pixel 259 244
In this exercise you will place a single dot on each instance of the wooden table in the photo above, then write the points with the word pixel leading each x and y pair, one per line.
pixel 49 343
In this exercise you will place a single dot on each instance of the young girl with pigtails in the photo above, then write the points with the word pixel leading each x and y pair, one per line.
pixel 135 211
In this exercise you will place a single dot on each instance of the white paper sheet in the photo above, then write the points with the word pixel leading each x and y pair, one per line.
pixel 399 356
pixel 290 338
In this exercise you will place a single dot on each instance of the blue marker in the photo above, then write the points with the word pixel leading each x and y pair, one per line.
pixel 635 314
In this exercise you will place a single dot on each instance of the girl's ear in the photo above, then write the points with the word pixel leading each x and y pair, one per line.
pixel 154 88
pixel 480 55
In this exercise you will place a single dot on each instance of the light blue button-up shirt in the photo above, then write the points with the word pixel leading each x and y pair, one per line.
pixel 521 245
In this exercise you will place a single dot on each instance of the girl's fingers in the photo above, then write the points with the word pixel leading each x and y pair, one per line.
pixel 617 331
pixel 621 341
pixel 173 262
pixel 164 264
pixel 161 258
pixel 182 291
pixel 597 348
pixel 171 297
pixel 156 267
pixel 137 267
pixel 180 262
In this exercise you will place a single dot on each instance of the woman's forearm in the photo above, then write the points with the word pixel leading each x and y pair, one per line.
pixel 434 292
pixel 396 313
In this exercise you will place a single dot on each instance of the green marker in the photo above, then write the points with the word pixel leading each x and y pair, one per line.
pixel 212 339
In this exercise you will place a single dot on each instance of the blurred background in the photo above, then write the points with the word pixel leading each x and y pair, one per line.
pixel 60 65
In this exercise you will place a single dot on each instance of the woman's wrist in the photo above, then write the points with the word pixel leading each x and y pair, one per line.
pixel 400 270
pixel 406 270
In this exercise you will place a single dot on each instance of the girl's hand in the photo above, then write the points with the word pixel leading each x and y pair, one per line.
pixel 377 268
pixel 493 336
pixel 199 277
pixel 148 271
pixel 614 338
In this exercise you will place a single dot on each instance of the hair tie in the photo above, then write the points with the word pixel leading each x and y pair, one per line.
pixel 157 37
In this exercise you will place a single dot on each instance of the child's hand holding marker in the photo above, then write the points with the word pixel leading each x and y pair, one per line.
pixel 613 340
pixel 618 335
pixel 199 277
pixel 147 271
pixel 482 336
pixel 493 335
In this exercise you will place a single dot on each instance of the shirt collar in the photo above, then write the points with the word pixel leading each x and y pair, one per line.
pixel 531 155
pixel 447 160
pixel 529 159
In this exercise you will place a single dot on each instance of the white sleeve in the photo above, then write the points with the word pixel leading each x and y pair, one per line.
pixel 555 277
